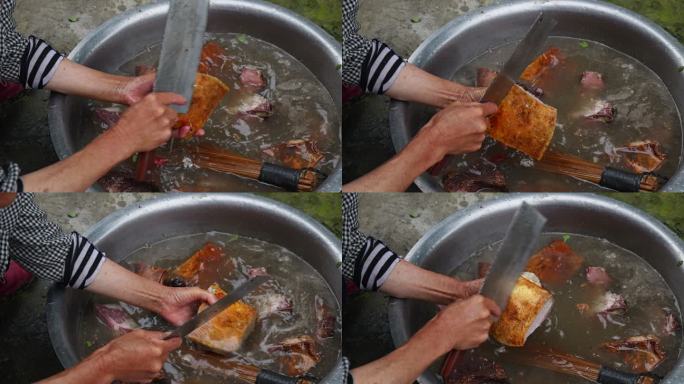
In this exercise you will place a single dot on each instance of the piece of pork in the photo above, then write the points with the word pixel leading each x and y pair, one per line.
pixel 115 318
pixel 601 111
pixel 670 323
pixel 610 303
pixel 297 154
pixel 598 276
pixel 467 367
pixel 253 272
pixel 640 353
pixel 485 77
pixel 252 78
pixel 298 354
pixel 483 268
pixel 643 156
pixel 325 319
pixel 108 117
pixel 478 178
pixel 556 263
pixel 592 80
pixel 213 57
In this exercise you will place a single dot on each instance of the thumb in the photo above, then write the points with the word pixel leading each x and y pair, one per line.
pixel 195 294
pixel 171 344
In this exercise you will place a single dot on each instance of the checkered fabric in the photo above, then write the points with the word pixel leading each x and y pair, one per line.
pixel 30 61
pixel 42 248
pixel 9 178
pixel 365 260
pixel 372 65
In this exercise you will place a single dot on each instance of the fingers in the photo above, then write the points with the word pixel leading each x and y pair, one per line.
pixel 492 307
pixel 201 294
pixel 182 132
pixel 171 344
pixel 489 109
pixel 168 98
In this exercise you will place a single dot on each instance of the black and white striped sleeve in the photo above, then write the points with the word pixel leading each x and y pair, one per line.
pixel 365 260
pixel 30 61
pixel 372 65
pixel 43 248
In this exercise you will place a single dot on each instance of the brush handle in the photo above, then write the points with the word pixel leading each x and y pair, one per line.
pixel 621 181
pixel 270 377
pixel 283 177
pixel 611 376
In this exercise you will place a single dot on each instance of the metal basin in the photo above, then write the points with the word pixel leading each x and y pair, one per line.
pixel 469 36
pixel 126 230
pixel 122 38
pixel 455 239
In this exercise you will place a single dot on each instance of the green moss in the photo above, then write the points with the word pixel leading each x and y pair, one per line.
pixel 667 207
pixel 326 208
pixel 325 13
pixel 668 13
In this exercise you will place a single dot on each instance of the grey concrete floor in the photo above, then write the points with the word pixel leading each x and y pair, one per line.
pixel 367 142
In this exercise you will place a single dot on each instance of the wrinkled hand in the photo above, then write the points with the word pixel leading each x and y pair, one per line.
pixel 134 90
pixel 458 128
pixel 469 288
pixel 137 357
pixel 464 94
pixel 183 132
pixel 465 324
pixel 180 304
pixel 149 123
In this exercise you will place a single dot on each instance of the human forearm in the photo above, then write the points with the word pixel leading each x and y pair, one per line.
pixel 398 173
pixel 78 80
pixel 407 362
pixel 417 85
pixel 81 170
pixel 408 281
pixel 92 370
pixel 121 284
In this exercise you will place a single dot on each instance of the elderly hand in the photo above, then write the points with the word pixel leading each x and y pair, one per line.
pixel 137 357
pixel 136 88
pixel 180 304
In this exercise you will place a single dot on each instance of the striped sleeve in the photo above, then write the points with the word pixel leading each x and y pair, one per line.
pixel 374 265
pixel 39 63
pixel 372 65
pixel 45 250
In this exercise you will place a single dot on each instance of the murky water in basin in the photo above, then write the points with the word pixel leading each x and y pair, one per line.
pixel 303 109
pixel 645 111
pixel 566 330
pixel 293 277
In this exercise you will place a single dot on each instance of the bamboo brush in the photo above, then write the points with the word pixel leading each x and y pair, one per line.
pixel 576 366
pixel 221 160
pixel 609 177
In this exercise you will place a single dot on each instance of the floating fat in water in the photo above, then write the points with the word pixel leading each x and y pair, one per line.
pixel 527 308
pixel 227 331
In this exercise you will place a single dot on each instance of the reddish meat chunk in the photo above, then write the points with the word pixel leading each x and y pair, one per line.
pixel 115 318
pixel 485 77
pixel 602 112
pixel 475 179
pixel 466 367
pixel 325 319
pixel 555 263
pixel 643 156
pixel 592 80
pixel 598 276
pixel 640 353
pixel 108 116
pixel 297 354
pixel 252 77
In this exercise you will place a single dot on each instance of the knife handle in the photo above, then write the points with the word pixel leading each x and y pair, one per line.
pixel 611 376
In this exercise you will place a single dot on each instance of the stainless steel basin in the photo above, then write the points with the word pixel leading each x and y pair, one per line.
pixel 454 240
pixel 122 38
pixel 151 221
pixel 471 35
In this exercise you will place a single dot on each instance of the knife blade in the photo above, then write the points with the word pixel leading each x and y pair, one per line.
pixel 528 48
pixel 216 308
pixel 517 247
pixel 186 24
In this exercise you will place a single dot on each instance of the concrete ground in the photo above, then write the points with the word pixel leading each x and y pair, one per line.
pixel 24 132
pixel 404 24
pixel 400 220
pixel 26 354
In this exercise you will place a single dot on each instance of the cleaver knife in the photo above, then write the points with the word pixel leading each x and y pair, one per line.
pixel 186 24
pixel 217 307
pixel 517 247
pixel 529 48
